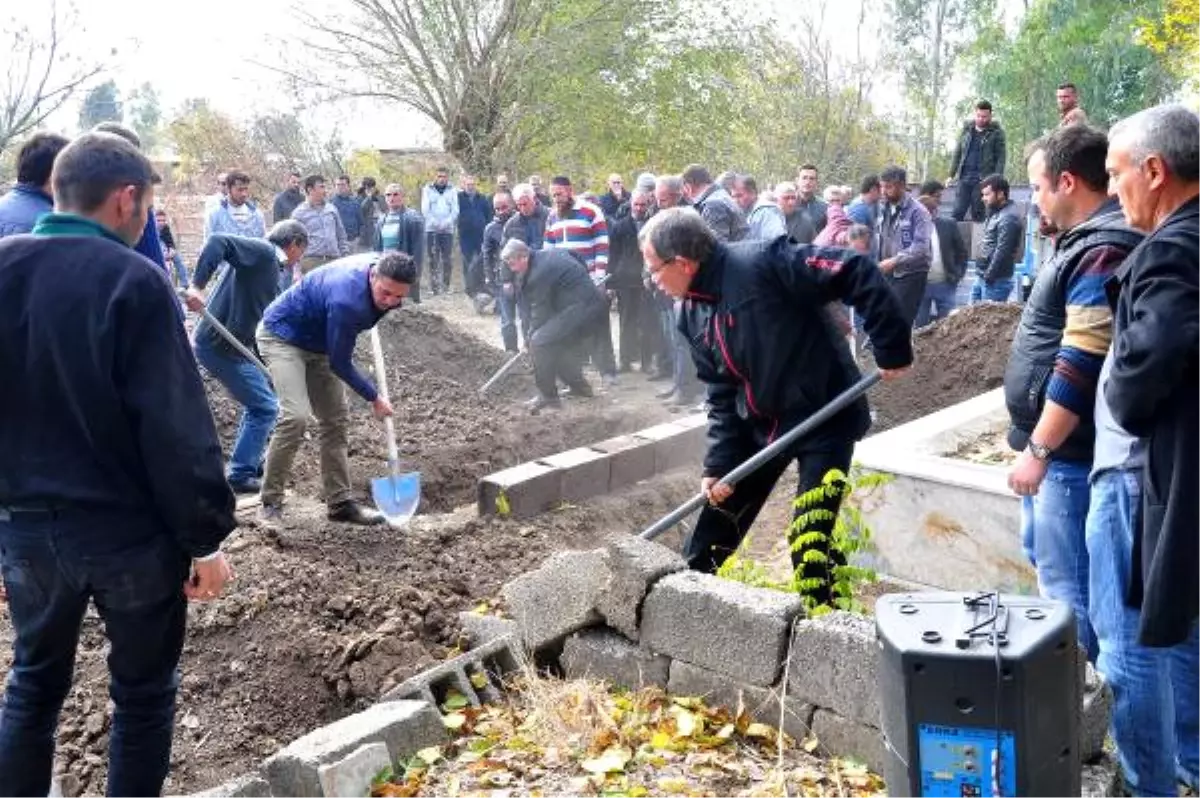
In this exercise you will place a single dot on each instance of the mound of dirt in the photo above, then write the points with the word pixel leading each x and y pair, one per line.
pixel 444 429
pixel 956 359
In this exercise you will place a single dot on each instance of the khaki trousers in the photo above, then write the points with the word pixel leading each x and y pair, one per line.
pixel 306 386
pixel 310 262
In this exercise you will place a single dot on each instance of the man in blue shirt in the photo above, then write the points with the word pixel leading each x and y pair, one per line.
pixel 242 293
pixel 307 337
pixel 30 197
pixel 111 487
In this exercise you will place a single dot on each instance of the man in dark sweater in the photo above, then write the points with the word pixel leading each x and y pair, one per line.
pixel 289 199
pixel 564 308
pixel 238 302
pixel 755 318
pixel 307 337
pixel 474 214
pixel 1003 243
pixel 979 151
pixel 493 240
pixel 111 487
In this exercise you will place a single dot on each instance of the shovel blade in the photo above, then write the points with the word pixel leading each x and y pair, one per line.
pixel 397 496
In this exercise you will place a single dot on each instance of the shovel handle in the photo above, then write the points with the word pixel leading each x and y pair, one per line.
pixel 839 403
pixel 389 426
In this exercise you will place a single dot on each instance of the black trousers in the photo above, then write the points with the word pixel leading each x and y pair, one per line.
pixel 720 530
pixel 910 290
pixel 967 197
pixel 559 361
pixel 632 303
pixel 603 357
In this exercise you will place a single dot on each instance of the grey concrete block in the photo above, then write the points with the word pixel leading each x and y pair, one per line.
pixel 630 460
pixel 1094 715
pixel 601 653
pixel 529 489
pixel 634 566
pixel 352 775
pixel 764 704
pixel 404 727
pixel 848 739
pixel 584 472
pixel 558 598
pixel 248 785
pixel 834 665
pixel 480 629
pixel 476 674
pixel 1102 779
pixel 674 445
pixel 724 626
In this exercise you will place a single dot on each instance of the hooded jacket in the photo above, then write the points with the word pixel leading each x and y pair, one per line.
pixel 439 206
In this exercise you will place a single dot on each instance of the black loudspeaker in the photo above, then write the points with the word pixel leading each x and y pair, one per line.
pixel 980 695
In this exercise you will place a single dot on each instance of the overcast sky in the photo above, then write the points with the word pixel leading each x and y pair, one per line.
pixel 205 49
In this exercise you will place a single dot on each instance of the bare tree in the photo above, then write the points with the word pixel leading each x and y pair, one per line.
pixel 40 73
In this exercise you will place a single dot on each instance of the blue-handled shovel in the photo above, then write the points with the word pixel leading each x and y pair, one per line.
pixel 398 494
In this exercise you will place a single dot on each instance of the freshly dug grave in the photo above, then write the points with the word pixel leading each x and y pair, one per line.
pixel 444 429
pixel 956 359
pixel 323 618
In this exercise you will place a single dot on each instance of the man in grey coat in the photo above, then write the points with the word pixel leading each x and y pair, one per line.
pixel 902 241
pixel 326 236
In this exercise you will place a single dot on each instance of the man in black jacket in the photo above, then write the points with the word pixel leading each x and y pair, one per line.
pixel 947 262
pixel 493 240
pixel 625 269
pixel 754 314
pixel 111 485
pixel 287 200
pixel 474 214
pixel 563 307
pixel 1003 243
pixel 979 151
pixel 238 302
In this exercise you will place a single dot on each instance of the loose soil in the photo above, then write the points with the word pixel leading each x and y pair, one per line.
pixel 990 448
pixel 956 359
pixel 325 617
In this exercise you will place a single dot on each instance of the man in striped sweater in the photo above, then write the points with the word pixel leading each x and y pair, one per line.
pixel 1057 353
pixel 578 226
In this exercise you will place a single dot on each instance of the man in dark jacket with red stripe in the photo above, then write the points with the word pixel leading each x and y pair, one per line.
pixel 754 314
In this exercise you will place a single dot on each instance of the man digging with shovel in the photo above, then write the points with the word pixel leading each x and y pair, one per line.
pixel 307 337
pixel 237 303
pixel 754 314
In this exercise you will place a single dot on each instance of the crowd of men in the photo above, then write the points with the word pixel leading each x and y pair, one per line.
pixel 113 488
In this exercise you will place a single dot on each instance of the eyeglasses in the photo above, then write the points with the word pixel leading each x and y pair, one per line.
pixel 653 270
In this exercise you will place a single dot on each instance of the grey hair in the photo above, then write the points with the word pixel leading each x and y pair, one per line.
pixel 641 192
pixel 672 183
pixel 785 187
pixel 858 232
pixel 1168 131
pixel 727 179
pixel 286 232
pixel 678 233
pixel 523 190
pixel 515 248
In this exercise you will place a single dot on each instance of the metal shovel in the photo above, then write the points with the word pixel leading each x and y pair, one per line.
pixel 839 403
pixel 396 495
pixel 224 332
pixel 500 372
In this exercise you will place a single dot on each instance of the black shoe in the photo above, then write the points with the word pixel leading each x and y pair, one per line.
pixel 540 403
pixel 351 512
pixel 246 486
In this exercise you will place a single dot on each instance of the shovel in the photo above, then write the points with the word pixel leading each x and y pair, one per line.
pixel 224 332
pixel 396 495
pixel 839 403
pixel 500 372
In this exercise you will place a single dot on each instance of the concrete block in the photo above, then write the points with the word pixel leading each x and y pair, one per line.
pixel 603 654
pixel 674 445
pixel 485 664
pixel 1094 715
pixel 692 421
pixel 848 739
pixel 480 629
pixel 634 566
pixel 352 775
pixel 630 460
pixel 1102 779
pixel 248 785
pixel 585 473
pixel 834 665
pixel 764 704
pixel 558 598
pixel 725 626
pixel 529 488
pixel 405 727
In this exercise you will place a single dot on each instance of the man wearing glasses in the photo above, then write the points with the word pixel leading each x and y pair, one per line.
pixel 754 314
pixel 401 229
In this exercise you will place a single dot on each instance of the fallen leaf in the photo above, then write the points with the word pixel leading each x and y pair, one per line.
pixel 430 755
pixel 673 785
pixel 726 731
pixel 686 724
pixel 687 702
pixel 455 700
pixel 660 740
pixel 479 680
pixel 811 744
pixel 611 761
pixel 760 730
pixel 454 721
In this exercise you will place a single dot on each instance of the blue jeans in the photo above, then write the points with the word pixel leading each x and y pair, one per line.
pixel 250 388
pixel 1053 525
pixel 507 303
pixel 181 272
pixel 997 291
pixel 52 566
pixel 1154 722
pixel 937 295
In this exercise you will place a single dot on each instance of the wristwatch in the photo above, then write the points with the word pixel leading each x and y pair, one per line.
pixel 1040 451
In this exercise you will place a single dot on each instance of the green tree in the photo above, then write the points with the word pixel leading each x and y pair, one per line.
pixel 145 115
pixel 1175 37
pixel 1087 42
pixel 101 104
